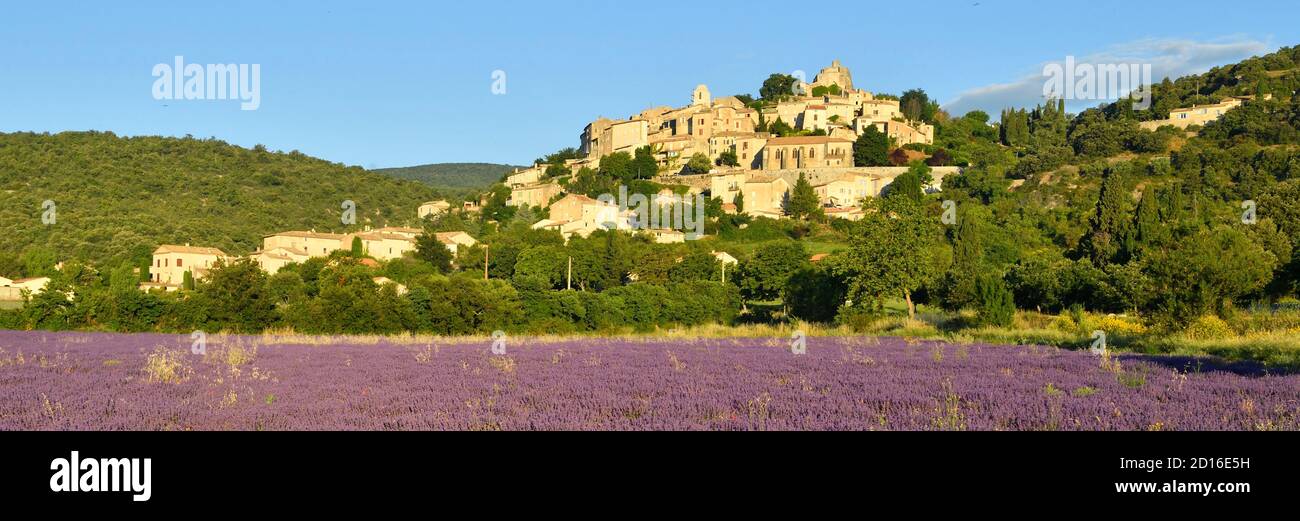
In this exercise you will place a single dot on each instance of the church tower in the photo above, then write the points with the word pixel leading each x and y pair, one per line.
pixel 701 97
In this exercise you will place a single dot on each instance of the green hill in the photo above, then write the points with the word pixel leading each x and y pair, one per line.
pixel 117 198
pixel 1274 75
pixel 451 176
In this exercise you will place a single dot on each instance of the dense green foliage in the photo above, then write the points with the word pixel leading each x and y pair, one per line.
pixel 871 148
pixel 451 177
pixel 119 198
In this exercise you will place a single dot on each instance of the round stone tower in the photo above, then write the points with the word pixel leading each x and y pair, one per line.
pixel 836 74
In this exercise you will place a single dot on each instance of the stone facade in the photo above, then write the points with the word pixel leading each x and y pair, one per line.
pixel 807 152
pixel 170 262
pixel 538 195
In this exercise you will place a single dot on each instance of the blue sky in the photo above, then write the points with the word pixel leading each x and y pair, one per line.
pixel 382 84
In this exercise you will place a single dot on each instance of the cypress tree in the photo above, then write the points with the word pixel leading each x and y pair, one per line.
pixel 996 303
pixel 1110 224
pixel 1148 231
pixel 968 257
pixel 906 185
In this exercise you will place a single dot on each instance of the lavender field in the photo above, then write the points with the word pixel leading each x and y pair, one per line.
pixel 94 381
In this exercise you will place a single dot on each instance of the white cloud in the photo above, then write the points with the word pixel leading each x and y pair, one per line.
pixel 1170 58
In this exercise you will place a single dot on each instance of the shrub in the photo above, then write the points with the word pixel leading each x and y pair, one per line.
pixel 1115 324
pixel 996 304
pixel 1208 327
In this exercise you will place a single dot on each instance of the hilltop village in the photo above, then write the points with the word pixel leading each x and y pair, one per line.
pixel 751 168
pixel 746 154
pixel 826 116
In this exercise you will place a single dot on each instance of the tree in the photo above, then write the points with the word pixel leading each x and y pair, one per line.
pixel 1014 130
pixel 235 296
pixel 871 148
pixel 1110 222
pixel 728 158
pixel 996 304
pixel 739 201
pixel 497 208
pixel 814 294
pixel 699 164
pixel 899 157
pixel 1148 230
pixel 431 250
pixel 780 128
pixel 803 202
pixel 887 256
pixel 1206 273
pixel 187 282
pixel 822 90
pixel 694 267
pixel 777 87
pixel 959 285
pixel 917 106
pixel 644 165
pixel 940 157
pixel 764 276
pixel 908 185
pixel 358 249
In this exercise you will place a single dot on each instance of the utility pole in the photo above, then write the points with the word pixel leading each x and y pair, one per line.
pixel 486 249
pixel 569 278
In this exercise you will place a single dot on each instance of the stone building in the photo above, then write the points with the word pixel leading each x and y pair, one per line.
pixel 1195 115
pixel 784 153
pixel 170 262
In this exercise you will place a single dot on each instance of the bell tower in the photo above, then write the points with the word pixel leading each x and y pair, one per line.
pixel 701 97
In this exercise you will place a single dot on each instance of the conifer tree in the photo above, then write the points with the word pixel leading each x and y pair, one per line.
pixel 959 289
pixel 1103 243
pixel 803 202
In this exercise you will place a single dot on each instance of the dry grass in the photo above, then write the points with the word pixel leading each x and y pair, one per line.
pixel 167 366
pixel 1272 339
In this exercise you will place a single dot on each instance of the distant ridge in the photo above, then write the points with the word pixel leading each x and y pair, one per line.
pixel 451 176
